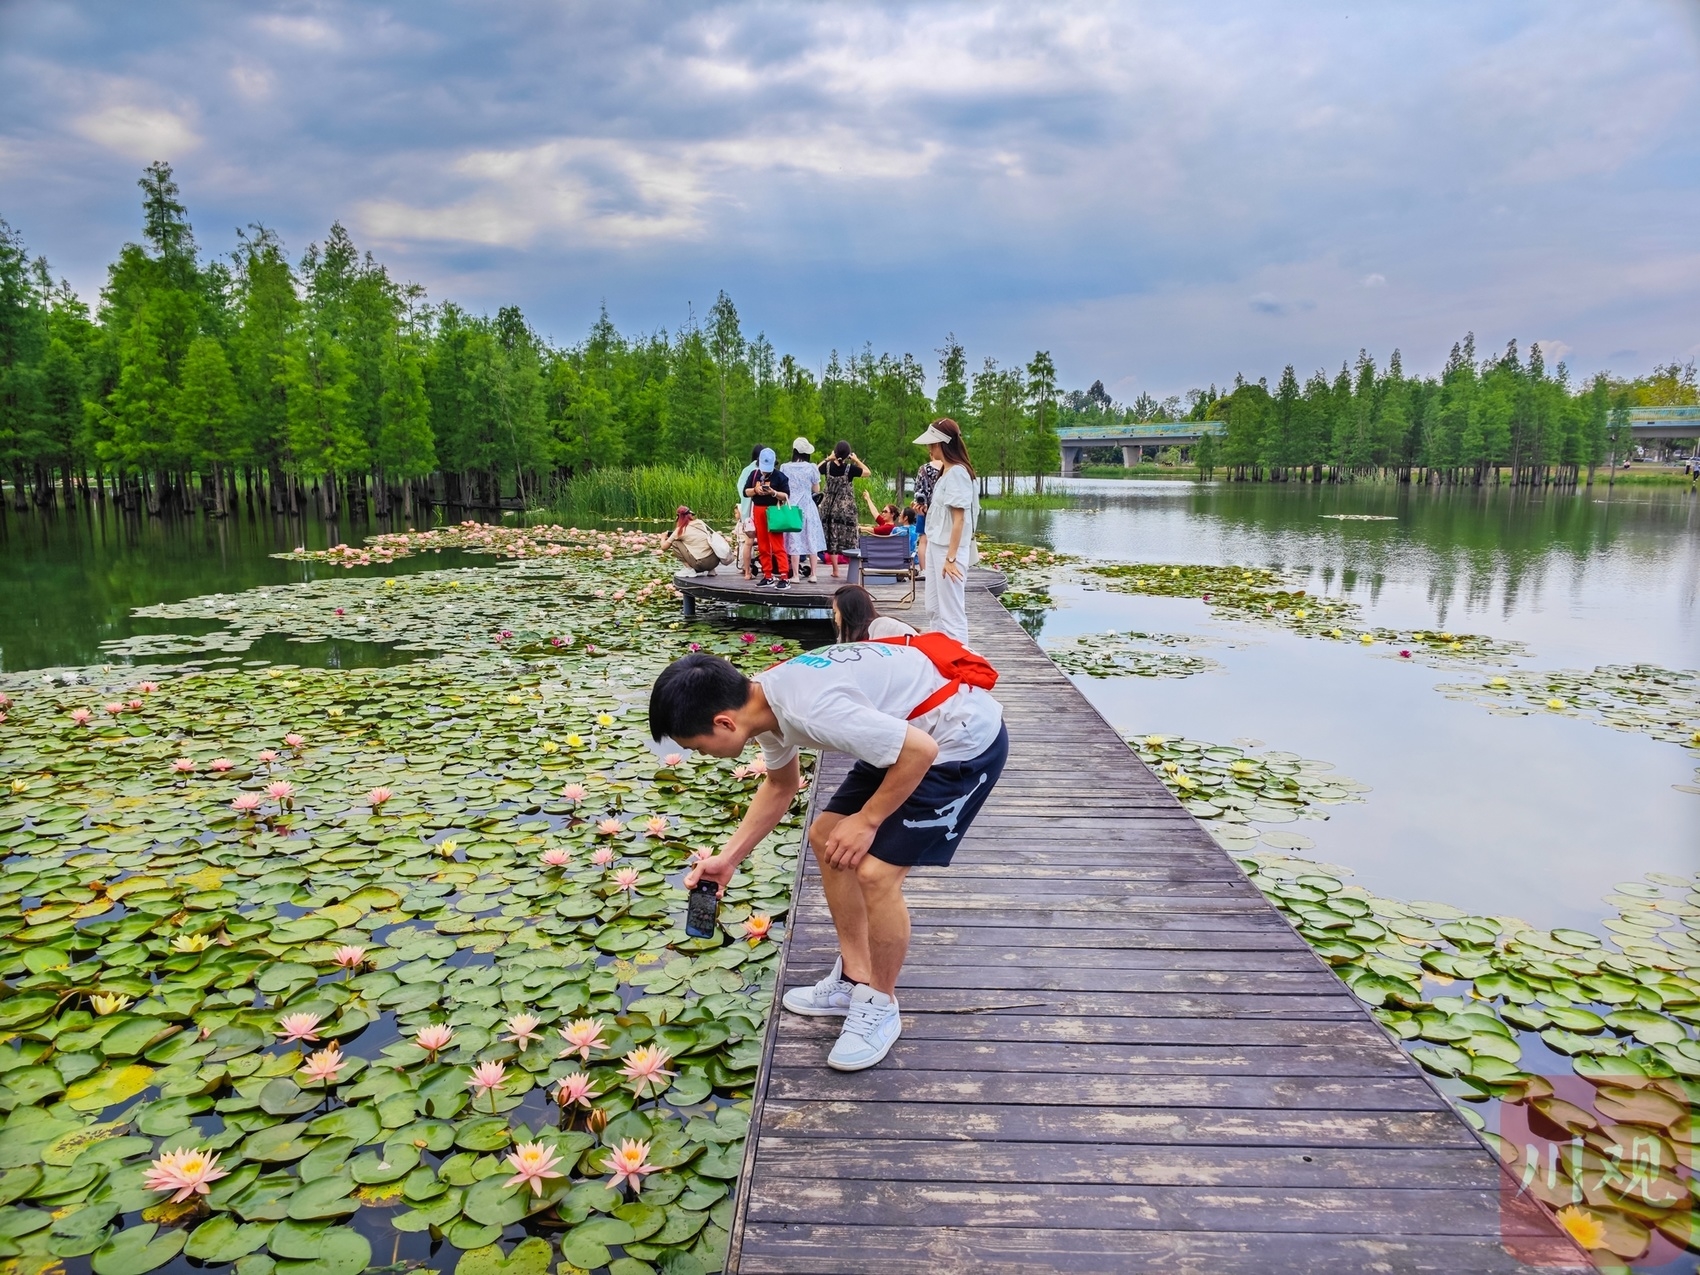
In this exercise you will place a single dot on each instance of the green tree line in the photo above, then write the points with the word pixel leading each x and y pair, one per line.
pixel 196 383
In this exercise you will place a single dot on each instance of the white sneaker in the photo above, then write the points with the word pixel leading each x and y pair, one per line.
pixel 870 1030
pixel 828 998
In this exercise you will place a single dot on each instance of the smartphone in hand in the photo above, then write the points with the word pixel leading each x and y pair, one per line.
pixel 702 909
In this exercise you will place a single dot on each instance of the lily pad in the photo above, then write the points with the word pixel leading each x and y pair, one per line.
pixel 137 1250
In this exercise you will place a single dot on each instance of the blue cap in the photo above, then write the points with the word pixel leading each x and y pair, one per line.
pixel 764 462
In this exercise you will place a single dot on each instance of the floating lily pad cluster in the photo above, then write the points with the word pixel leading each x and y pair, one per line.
pixel 1661 702
pixel 1029 570
pixel 1258 593
pixel 1129 654
pixel 1233 790
pixel 1597 1045
pixel 349 931
pixel 544 541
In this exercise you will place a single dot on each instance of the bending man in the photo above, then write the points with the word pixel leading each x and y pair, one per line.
pixel 917 784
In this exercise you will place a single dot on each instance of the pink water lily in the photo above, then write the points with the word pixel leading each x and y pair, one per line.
pixel 656 825
pixel 322 1067
pixel 646 1067
pixel 573 792
pixel 575 1090
pixel 114 709
pixel 81 716
pixel 487 1077
pixel 523 1029
pixel 556 857
pixel 148 688
pixel 282 790
pixel 602 857
pixel 434 1038
pixel 350 956
pixel 294 1027
pixel 221 764
pixel 532 1163
pixel 630 1163
pixel 185 1171
pixel 246 803
pixel 135 706
pixel 582 1035
pixel 776 648
pixel 748 639
pixel 266 756
pixel 378 796
pixel 756 928
pixel 294 740
pixel 626 879
pixel 609 828
pixel 672 759
pixel 183 766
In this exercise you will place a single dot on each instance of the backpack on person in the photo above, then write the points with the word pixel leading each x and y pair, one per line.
pixel 957 664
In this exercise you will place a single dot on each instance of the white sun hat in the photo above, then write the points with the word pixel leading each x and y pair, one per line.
pixel 933 434
pixel 801 444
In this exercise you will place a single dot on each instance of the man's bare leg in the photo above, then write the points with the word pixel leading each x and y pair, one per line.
pixel 885 920
pixel 844 900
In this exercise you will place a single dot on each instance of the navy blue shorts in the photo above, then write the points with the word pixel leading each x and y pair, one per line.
pixel 926 829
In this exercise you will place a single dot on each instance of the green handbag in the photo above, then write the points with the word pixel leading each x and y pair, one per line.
pixel 784 518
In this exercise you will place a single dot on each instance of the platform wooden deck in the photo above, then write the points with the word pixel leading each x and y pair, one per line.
pixel 728 586
pixel 1116 1056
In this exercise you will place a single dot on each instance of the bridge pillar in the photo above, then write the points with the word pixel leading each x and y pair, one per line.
pixel 1131 456
pixel 1071 460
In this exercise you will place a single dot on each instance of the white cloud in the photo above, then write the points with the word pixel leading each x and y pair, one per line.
pixel 1375 281
pixel 138 132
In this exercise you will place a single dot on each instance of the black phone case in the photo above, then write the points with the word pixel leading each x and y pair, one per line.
pixel 701 911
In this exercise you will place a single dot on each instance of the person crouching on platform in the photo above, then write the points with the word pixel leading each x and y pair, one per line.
pixel 928 751
pixel 693 542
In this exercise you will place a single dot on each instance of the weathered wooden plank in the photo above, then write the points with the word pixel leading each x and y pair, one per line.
pixel 782 1248
pixel 1324 1005
pixel 1058 978
pixel 1053 1058
pixel 820 951
pixel 1254 1034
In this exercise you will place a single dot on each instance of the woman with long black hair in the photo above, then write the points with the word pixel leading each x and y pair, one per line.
pixel 838 504
pixel 952 515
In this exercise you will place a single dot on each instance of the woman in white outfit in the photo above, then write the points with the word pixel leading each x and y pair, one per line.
pixel 805 486
pixel 952 516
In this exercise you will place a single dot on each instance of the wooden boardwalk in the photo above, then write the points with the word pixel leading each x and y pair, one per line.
pixel 1116 1056
pixel 727 586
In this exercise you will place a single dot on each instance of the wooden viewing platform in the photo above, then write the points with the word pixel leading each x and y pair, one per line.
pixel 727 586
pixel 1116 1056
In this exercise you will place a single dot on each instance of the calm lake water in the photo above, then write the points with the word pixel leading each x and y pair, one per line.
pixel 1535 816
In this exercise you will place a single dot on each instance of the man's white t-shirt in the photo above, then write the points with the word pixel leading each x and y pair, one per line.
pixel 856 698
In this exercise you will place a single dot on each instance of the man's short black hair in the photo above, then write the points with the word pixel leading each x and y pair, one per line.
pixel 690 692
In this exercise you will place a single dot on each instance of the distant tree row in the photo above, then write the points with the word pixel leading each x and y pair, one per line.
pixel 195 382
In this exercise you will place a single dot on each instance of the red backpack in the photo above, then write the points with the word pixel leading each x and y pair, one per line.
pixel 956 664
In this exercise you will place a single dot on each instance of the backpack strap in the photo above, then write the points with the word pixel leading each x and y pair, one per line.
pixel 939 696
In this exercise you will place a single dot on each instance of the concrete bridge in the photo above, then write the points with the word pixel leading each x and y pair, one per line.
pixel 1133 439
pixel 1658 424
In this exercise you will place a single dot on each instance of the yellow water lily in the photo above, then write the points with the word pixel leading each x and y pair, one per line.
pixel 1498 683
pixel 1366 638
pixel 1157 741
pixel 190 943
pixel 447 847
pixel 20 785
pixel 573 741
pixel 603 719
pixel 1300 613
pixel 549 746
pixel 1333 632
pixel 105 1003
pixel 1555 702
pixel 1445 637
pixel 1583 1227
pixel 514 699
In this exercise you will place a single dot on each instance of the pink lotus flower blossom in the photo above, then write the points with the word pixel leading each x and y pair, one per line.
pixel 1404 655
pixel 602 857
pixel 532 1163
pixel 183 766
pixel 656 825
pixel 339 610
pixel 267 756
pixel 756 928
pixel 609 828
pixel 776 648
pixel 759 765
pixel 749 639
pixel 524 1029
pixel 575 1090
pixel 672 759
pixel 626 879
pixel 246 803
pixel 696 646
pixel 81 716
pixel 114 709
pixel 630 1163
pixel 556 857
pixel 573 792
pixel 187 1172
pixel 135 706
pixel 378 796
pixel 148 688
pixel 350 956
pixel 294 740
pixel 294 1027
pixel 321 1067
pixel 582 1035
pixel 434 1038
pixel 646 1068
pixel 221 764
pixel 282 790
pixel 487 1077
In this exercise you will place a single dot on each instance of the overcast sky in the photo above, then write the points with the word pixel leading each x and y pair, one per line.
pixel 1160 194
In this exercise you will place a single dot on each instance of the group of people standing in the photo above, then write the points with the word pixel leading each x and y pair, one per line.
pixel 794 518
